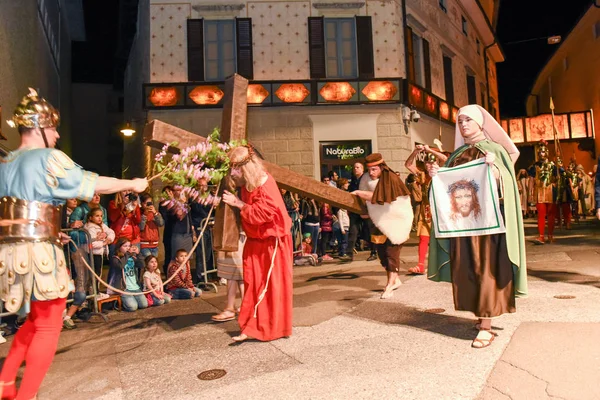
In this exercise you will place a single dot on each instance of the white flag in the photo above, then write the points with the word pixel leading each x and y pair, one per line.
pixel 464 201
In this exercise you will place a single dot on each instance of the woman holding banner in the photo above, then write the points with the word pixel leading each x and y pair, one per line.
pixel 487 271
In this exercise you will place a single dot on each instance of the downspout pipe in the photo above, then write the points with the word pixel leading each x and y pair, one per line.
pixel 487 75
pixel 406 63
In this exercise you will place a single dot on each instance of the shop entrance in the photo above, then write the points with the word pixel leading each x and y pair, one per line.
pixel 340 156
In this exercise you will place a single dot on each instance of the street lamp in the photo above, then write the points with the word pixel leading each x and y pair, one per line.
pixel 128 130
pixel 555 39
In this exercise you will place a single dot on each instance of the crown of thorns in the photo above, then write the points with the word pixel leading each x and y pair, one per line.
pixel 463 184
pixel 246 159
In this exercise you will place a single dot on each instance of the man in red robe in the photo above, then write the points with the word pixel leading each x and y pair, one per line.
pixel 266 311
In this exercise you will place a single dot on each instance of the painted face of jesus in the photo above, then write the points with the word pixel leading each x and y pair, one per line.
pixel 464 201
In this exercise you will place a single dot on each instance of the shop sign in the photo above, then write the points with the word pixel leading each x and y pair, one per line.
pixel 345 150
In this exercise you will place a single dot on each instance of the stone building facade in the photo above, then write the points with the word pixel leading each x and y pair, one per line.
pixel 35 51
pixel 429 55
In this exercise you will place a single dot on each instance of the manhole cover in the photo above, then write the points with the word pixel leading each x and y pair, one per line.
pixel 564 297
pixel 435 310
pixel 212 374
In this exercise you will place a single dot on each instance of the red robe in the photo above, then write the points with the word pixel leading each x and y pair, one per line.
pixel 265 221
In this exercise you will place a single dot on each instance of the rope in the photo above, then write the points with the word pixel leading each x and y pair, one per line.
pixel 183 264
pixel 264 292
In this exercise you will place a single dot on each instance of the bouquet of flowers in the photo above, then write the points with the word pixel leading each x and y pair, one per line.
pixel 194 169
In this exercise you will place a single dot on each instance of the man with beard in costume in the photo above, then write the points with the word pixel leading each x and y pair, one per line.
pixel 390 210
pixel 266 311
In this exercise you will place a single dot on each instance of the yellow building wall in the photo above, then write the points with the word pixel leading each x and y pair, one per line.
pixel 572 76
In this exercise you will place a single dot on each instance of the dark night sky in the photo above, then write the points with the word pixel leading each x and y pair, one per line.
pixel 526 19
pixel 94 60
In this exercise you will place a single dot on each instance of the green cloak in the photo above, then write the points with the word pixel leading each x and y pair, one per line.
pixel 439 249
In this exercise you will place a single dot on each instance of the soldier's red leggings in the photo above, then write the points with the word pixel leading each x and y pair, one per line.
pixel 35 343
pixel 544 209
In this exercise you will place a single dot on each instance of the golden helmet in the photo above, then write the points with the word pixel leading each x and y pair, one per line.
pixel 34 112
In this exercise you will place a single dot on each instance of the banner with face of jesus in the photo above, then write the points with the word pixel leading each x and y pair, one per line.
pixel 464 201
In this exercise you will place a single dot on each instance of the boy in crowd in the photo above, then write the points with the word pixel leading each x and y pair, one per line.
pixel 181 287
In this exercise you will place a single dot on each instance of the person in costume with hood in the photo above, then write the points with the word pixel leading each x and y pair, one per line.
pixel 487 272
pixel 35 182
pixel 390 210
pixel 544 174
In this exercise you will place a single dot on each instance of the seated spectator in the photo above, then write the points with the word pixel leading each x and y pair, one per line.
pixel 307 257
pixel 151 221
pixel 153 282
pixel 124 277
pixel 181 286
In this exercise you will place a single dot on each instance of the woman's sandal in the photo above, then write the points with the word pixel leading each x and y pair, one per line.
pixel 226 315
pixel 416 270
pixel 480 343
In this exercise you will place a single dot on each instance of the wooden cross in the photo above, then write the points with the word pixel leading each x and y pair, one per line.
pixel 233 127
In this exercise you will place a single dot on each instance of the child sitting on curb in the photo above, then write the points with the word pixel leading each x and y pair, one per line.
pixel 181 287
pixel 307 257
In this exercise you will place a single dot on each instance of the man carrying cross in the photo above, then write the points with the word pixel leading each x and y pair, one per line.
pixel 266 311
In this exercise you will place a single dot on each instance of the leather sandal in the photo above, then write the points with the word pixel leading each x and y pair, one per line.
pixel 416 271
pixel 226 315
pixel 483 343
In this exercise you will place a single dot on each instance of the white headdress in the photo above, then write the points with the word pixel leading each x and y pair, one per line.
pixel 490 127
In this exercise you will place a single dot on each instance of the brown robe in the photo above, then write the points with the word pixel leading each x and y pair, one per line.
pixel 482 274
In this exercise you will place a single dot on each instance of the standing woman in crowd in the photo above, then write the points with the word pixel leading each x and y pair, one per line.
pixel 486 271
pixel 124 215
pixel 293 208
pixel 309 212
pixel 326 224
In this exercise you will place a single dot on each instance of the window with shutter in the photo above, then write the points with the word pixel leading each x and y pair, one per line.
pixel 448 80
pixel 245 64
pixel 364 42
pixel 419 63
pixel 316 44
pixel 219 49
pixel 195 42
pixel 410 54
pixel 471 89
pixel 340 48
pixel 426 64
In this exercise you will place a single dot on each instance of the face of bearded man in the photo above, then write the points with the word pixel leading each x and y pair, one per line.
pixel 375 172
pixel 237 177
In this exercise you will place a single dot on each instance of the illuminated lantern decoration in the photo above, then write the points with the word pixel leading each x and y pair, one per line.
pixel 206 95
pixel 415 96
pixel 380 90
pixel 454 114
pixel 163 96
pixel 257 94
pixel 337 91
pixel 444 110
pixel 292 92
pixel 430 103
